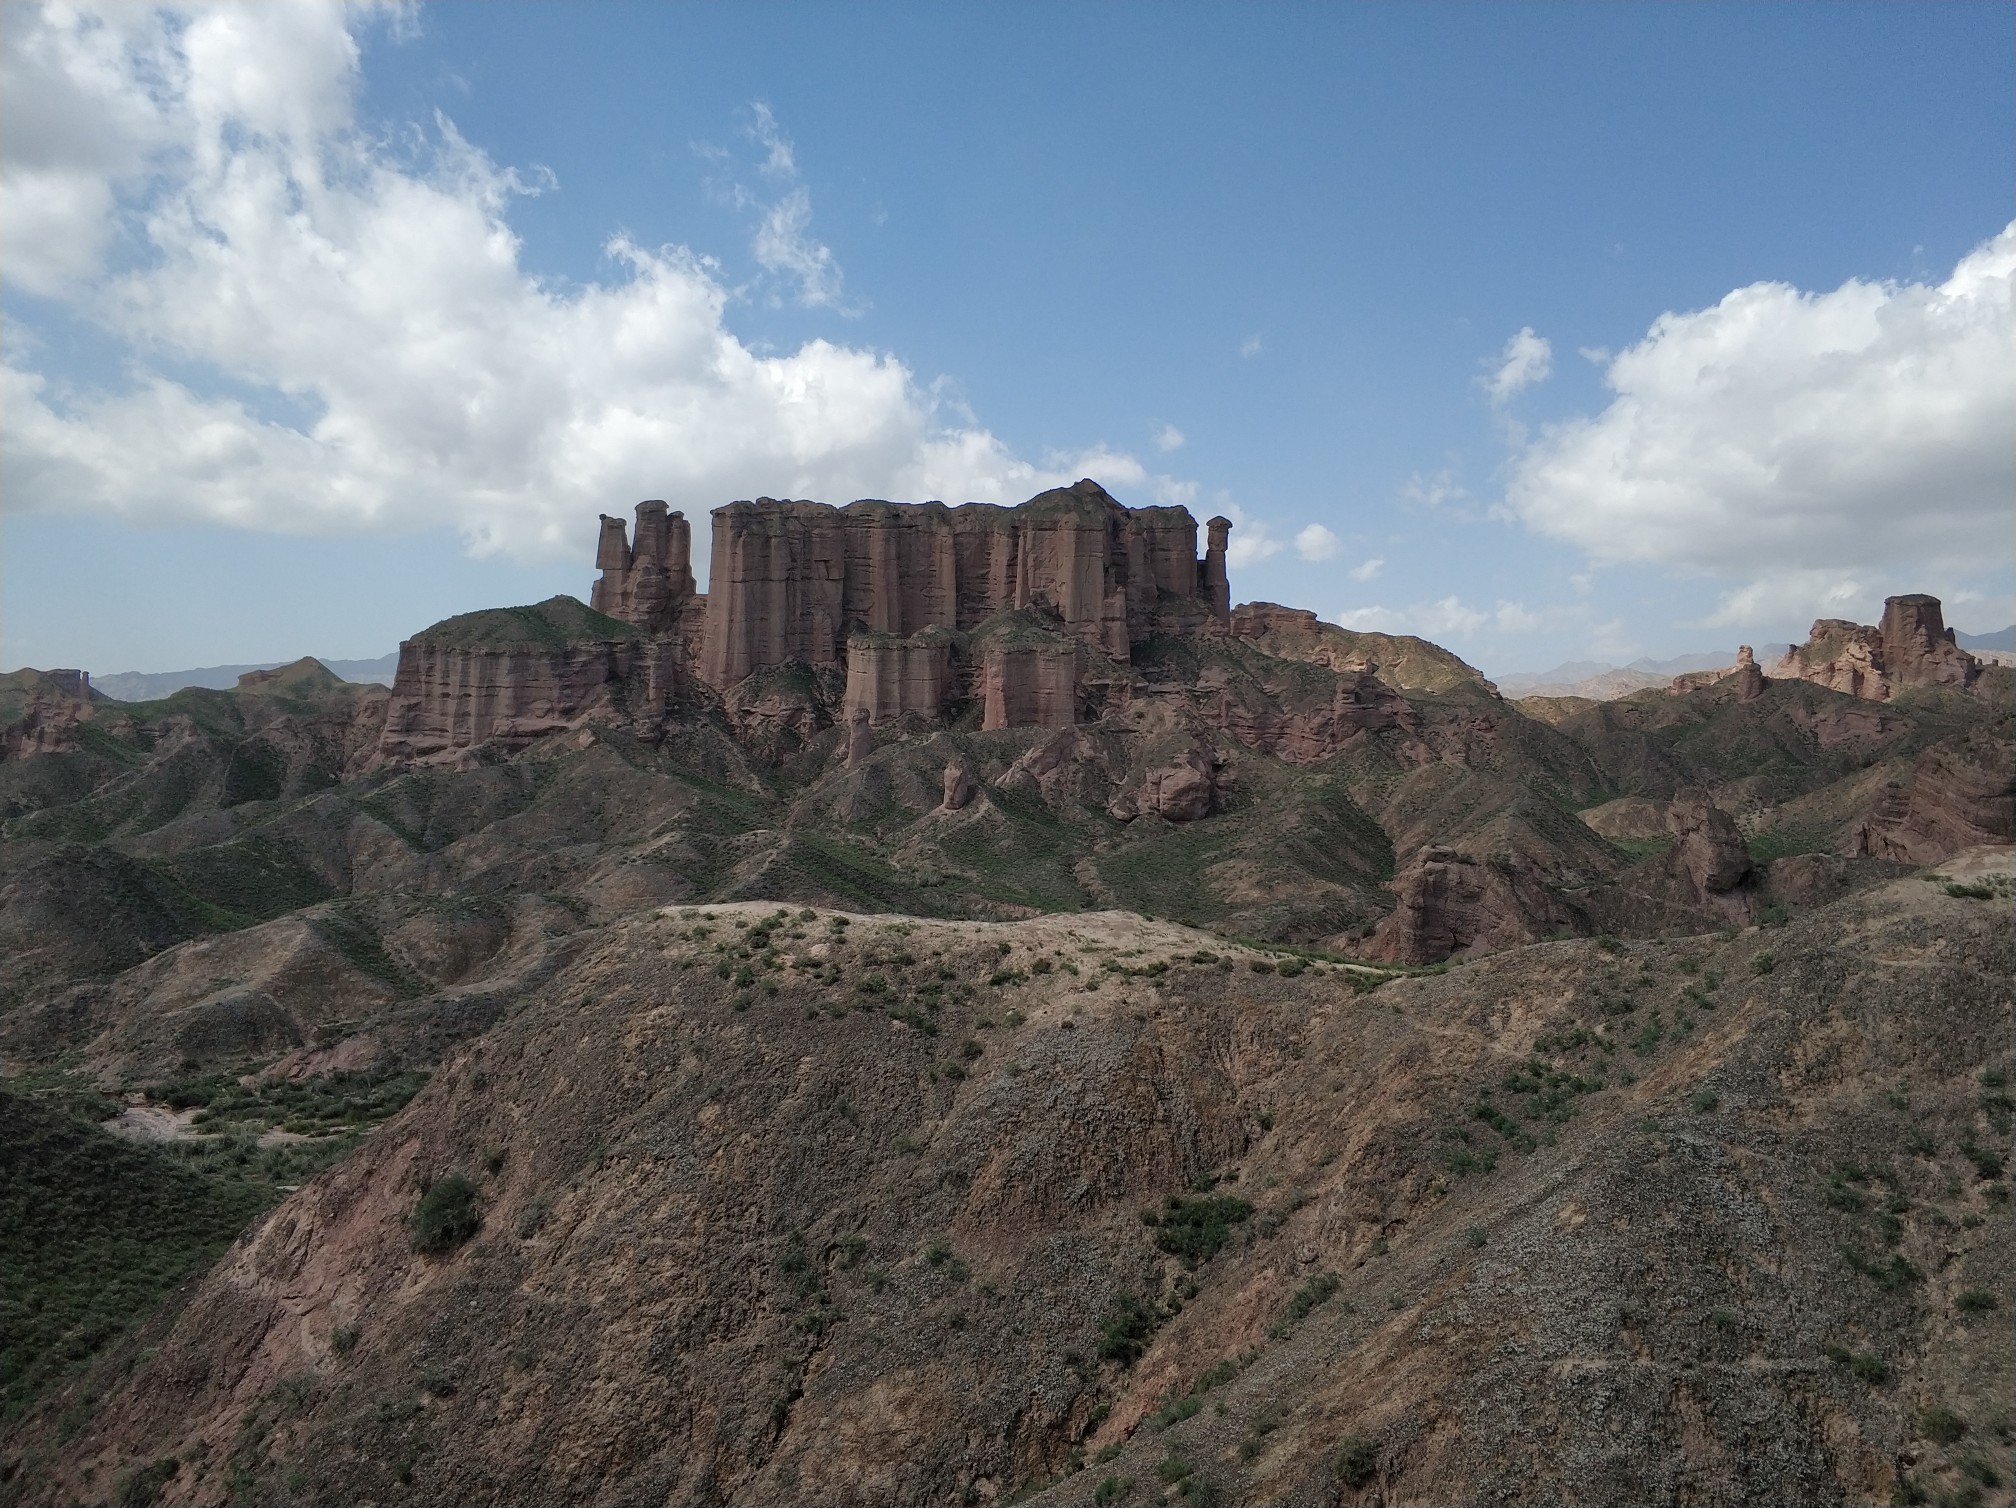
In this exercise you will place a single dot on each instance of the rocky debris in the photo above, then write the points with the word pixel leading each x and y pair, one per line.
pixel 1708 848
pixel 1961 792
pixel 1449 903
pixel 1911 647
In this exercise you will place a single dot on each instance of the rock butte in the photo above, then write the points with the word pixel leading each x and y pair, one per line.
pixel 1030 612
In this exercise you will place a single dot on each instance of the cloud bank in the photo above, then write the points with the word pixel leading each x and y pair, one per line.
pixel 1813 449
pixel 326 331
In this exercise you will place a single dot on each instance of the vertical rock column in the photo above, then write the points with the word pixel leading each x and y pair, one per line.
pixel 1218 585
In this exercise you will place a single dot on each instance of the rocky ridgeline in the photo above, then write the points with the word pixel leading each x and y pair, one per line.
pixel 1912 646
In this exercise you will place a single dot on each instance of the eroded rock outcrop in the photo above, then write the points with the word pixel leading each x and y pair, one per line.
pixel 1962 792
pixel 511 675
pixel 1451 903
pixel 1708 848
pixel 40 711
pixel 1911 647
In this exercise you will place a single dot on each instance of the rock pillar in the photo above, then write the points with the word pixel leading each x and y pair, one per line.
pixel 1217 584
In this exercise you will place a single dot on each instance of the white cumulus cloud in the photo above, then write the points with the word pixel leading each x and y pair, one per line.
pixel 1526 360
pixel 1252 541
pixel 1314 542
pixel 1169 438
pixel 1368 570
pixel 1807 447
pixel 1444 618
pixel 320 333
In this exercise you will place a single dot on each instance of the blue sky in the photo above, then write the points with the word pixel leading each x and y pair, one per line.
pixel 1549 332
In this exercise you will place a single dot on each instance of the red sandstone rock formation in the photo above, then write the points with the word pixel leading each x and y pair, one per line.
pixel 649 583
pixel 56 702
pixel 1451 903
pixel 960 787
pixel 795 580
pixel 1029 685
pixel 512 675
pixel 1749 680
pixel 1912 647
pixel 1708 848
pixel 1181 791
pixel 1961 792
pixel 889 679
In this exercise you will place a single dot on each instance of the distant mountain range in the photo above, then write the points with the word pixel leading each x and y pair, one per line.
pixel 2002 638
pixel 141 686
pixel 1601 681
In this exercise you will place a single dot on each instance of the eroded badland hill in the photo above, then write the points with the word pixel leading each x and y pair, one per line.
pixel 963 1012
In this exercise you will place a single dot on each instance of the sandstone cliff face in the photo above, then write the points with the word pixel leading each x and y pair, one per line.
pixel 891 679
pixel 510 676
pixel 1911 647
pixel 794 580
pixel 1029 685
pixel 1961 793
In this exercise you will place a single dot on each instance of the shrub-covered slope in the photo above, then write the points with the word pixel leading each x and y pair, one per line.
pixel 762 1205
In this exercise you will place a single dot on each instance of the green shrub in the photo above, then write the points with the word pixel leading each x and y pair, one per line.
pixel 1475 1237
pixel 1763 963
pixel 1356 1462
pixel 1196 1229
pixel 1942 1425
pixel 1975 1301
pixel 446 1215
pixel 1971 892
pixel 1705 1100
pixel 1126 1328
pixel 1110 1490
pixel 1318 1290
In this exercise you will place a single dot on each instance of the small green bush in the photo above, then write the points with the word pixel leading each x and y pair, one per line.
pixel 1356 1462
pixel 1971 892
pixel 1196 1229
pixel 1942 1426
pixel 1763 963
pixel 1976 1301
pixel 1705 1100
pixel 1110 1490
pixel 1126 1328
pixel 446 1215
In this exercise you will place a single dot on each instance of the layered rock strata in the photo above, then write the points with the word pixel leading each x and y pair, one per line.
pixel 795 580
pixel 512 675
